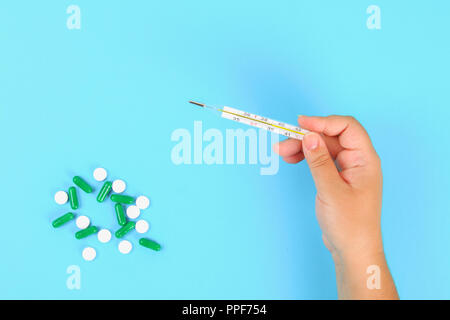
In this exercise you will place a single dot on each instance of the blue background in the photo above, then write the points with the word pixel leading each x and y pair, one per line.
pixel 112 93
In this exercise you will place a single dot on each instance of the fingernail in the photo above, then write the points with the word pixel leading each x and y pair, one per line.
pixel 311 141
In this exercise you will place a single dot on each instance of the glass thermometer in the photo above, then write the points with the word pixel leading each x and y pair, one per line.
pixel 254 120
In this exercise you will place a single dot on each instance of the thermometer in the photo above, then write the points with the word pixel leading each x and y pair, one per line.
pixel 254 120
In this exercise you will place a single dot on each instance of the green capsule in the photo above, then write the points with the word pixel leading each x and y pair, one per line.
pixel 83 185
pixel 125 229
pixel 62 220
pixel 104 191
pixel 122 198
pixel 120 214
pixel 149 244
pixel 86 232
pixel 73 198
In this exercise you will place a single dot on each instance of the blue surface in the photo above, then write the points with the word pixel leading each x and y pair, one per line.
pixel 72 100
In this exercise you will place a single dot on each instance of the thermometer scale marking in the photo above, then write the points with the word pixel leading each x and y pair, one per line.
pixel 263 123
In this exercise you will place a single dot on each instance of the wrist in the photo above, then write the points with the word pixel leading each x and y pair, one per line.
pixel 360 251
pixel 359 273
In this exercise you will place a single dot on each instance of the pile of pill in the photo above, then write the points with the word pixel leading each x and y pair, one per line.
pixel 126 207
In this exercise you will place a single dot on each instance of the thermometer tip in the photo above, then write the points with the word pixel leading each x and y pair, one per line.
pixel 197 103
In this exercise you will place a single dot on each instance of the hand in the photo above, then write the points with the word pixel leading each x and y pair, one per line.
pixel 348 201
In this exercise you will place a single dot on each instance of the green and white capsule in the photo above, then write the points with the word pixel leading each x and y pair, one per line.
pixel 150 244
pixel 58 222
pixel 130 225
pixel 73 198
pixel 120 198
pixel 104 191
pixel 86 232
pixel 82 184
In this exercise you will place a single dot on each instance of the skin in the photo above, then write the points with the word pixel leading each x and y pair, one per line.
pixel 347 173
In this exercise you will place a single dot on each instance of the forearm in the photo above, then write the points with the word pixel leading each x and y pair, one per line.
pixel 364 276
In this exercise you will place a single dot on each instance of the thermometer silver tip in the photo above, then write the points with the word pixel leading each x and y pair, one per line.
pixel 197 103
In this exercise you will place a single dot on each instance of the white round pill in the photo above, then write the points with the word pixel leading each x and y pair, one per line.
pixel 104 235
pixel 82 222
pixel 89 254
pixel 125 246
pixel 133 212
pixel 141 226
pixel 61 197
pixel 119 186
pixel 142 202
pixel 100 174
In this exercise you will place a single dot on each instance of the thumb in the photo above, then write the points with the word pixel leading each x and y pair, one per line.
pixel 324 172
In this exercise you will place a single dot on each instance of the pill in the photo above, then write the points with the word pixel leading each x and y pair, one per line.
pixel 89 254
pixel 125 246
pixel 119 186
pixel 83 185
pixel 125 229
pixel 149 244
pixel 104 235
pixel 133 212
pixel 73 198
pixel 142 226
pixel 104 191
pixel 61 197
pixel 100 174
pixel 58 222
pixel 142 202
pixel 86 232
pixel 122 198
pixel 120 214
pixel 82 222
